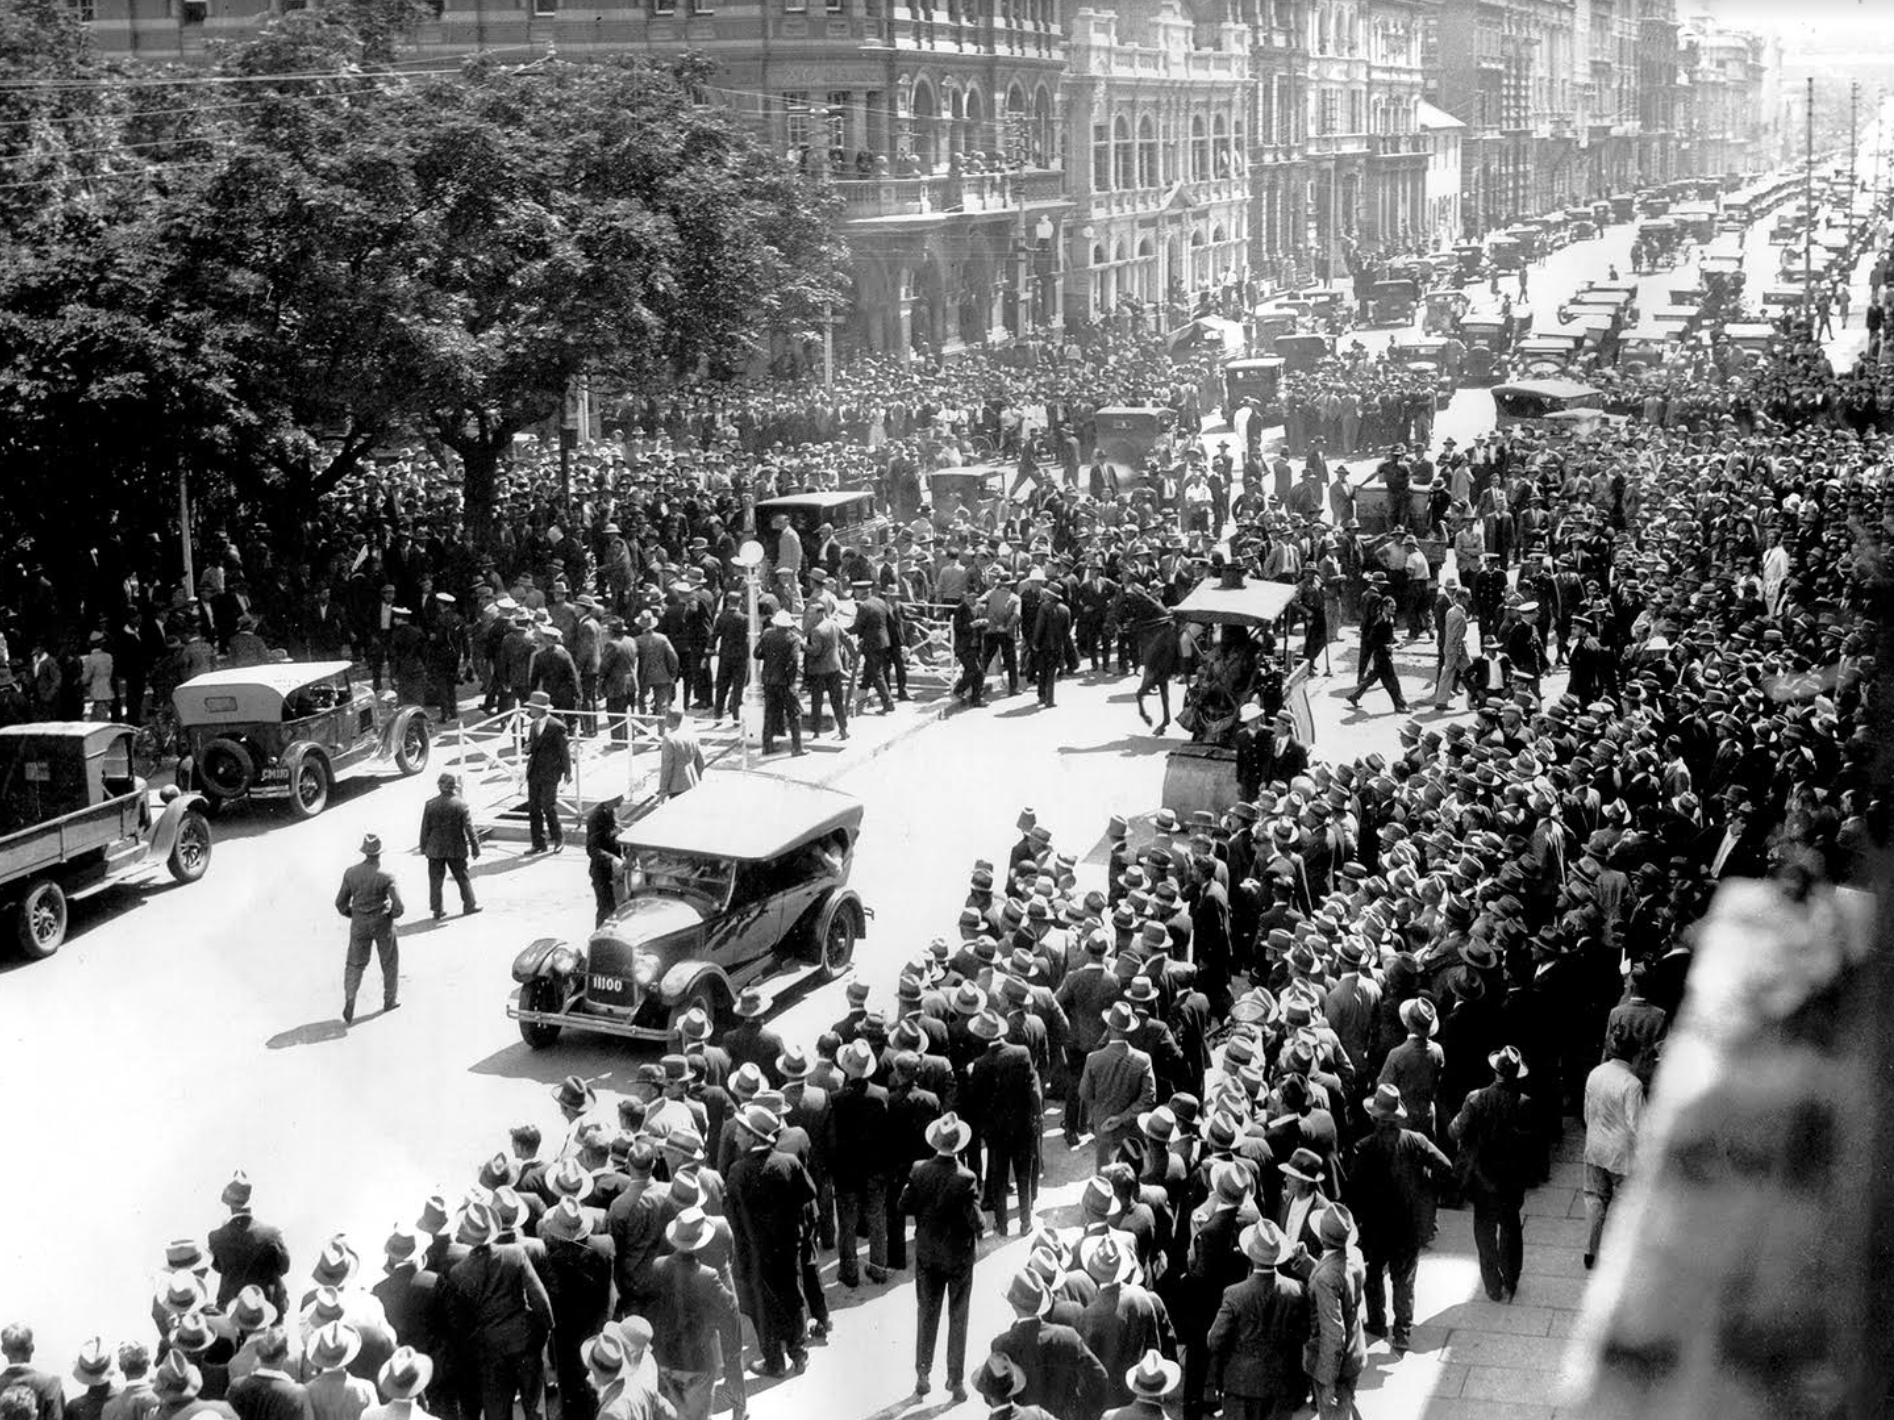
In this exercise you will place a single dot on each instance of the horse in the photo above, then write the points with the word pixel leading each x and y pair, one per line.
pixel 1150 621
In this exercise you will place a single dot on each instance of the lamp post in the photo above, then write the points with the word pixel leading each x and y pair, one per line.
pixel 750 559
pixel 1042 270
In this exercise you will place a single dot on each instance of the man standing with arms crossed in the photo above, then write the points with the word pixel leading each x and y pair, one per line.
pixel 370 900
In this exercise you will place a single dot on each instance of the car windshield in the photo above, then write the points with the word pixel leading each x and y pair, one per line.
pixel 705 880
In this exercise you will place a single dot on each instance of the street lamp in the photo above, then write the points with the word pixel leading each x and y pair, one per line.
pixel 750 559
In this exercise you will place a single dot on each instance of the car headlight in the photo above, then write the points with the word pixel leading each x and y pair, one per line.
pixel 644 969
pixel 563 961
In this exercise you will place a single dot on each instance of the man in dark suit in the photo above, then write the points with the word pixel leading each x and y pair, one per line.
pixel 447 841
pixel 636 1225
pixel 1495 1132
pixel 911 1110
pixel 780 650
pixel 548 763
pixel 766 1199
pixel 693 1309
pixel 749 1040
pixel 1002 1093
pixel 16 1344
pixel 1255 1341
pixel 942 1196
pixel 1063 1377
pixel 410 1298
pixel 247 1253
pixel 874 633
pixel 1051 632
pixel 496 1315
pixel 268 1392
pixel 577 1271
pixel 859 1164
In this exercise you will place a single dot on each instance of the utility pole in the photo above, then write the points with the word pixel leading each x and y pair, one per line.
pixel 1808 201
pixel 1854 100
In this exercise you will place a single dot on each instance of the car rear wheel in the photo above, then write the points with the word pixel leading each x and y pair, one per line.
pixel 411 752
pixel 838 940
pixel 309 795
pixel 190 855
pixel 42 918
pixel 539 994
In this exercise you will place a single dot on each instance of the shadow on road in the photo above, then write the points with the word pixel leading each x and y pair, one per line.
pixel 312 1034
pixel 607 1063
pixel 1131 744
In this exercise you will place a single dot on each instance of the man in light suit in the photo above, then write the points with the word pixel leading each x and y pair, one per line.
pixel 1453 650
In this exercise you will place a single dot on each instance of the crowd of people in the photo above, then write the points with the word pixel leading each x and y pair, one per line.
pixel 1284 1033
pixel 1346 407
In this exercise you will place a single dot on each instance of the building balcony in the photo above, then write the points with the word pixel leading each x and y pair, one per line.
pixel 1336 145
pixel 933 195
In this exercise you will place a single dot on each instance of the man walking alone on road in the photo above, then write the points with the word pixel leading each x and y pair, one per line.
pixel 447 841
pixel 370 900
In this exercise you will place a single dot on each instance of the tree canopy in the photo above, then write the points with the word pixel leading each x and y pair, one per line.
pixel 266 271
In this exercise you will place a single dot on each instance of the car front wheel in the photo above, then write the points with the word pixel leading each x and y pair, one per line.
pixel 701 997
pixel 309 795
pixel 190 855
pixel 411 752
pixel 42 919
pixel 838 940
pixel 539 994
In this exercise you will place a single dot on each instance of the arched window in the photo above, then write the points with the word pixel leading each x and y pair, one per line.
pixel 1199 149
pixel 1101 157
pixel 926 121
pixel 1123 174
pixel 1018 131
pixel 976 133
pixel 1044 139
pixel 1221 134
pixel 1147 151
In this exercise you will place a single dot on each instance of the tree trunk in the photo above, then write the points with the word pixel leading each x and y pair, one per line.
pixel 479 463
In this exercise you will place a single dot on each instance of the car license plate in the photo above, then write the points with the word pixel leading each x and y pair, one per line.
pixel 607 985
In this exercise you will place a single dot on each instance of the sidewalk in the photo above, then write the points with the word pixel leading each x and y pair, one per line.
pixel 1480 1360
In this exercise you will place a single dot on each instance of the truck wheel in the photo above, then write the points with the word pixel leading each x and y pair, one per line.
pixel 190 855
pixel 838 940
pixel 309 795
pixel 539 994
pixel 411 752
pixel 42 922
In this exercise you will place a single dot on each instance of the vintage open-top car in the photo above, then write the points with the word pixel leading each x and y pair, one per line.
pixel 740 884
pixel 289 730
pixel 75 818
pixel 1444 310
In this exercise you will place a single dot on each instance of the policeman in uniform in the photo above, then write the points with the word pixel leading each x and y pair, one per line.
pixel 370 900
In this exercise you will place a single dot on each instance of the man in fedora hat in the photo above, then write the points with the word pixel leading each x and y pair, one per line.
pixel 268 1391
pixel 1255 1341
pixel 247 1253
pixel 1001 1383
pixel 1392 1175
pixel 495 1316
pixel 1117 1084
pixel 1498 1145
pixel 1003 1094
pixel 333 1393
pixel 1150 1383
pixel 768 1199
pixel 371 901
pixel 402 1379
pixel 622 1371
pixel 179 1387
pixel 942 1196
pixel 1123 1321
pixel 859 1163
pixel 548 764
pixel 693 1310
pixel 1414 1067
pixel 409 1293
pixel 1063 1377
pixel 95 1370
pixel 749 1039
pixel 448 840
pixel 1336 1351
